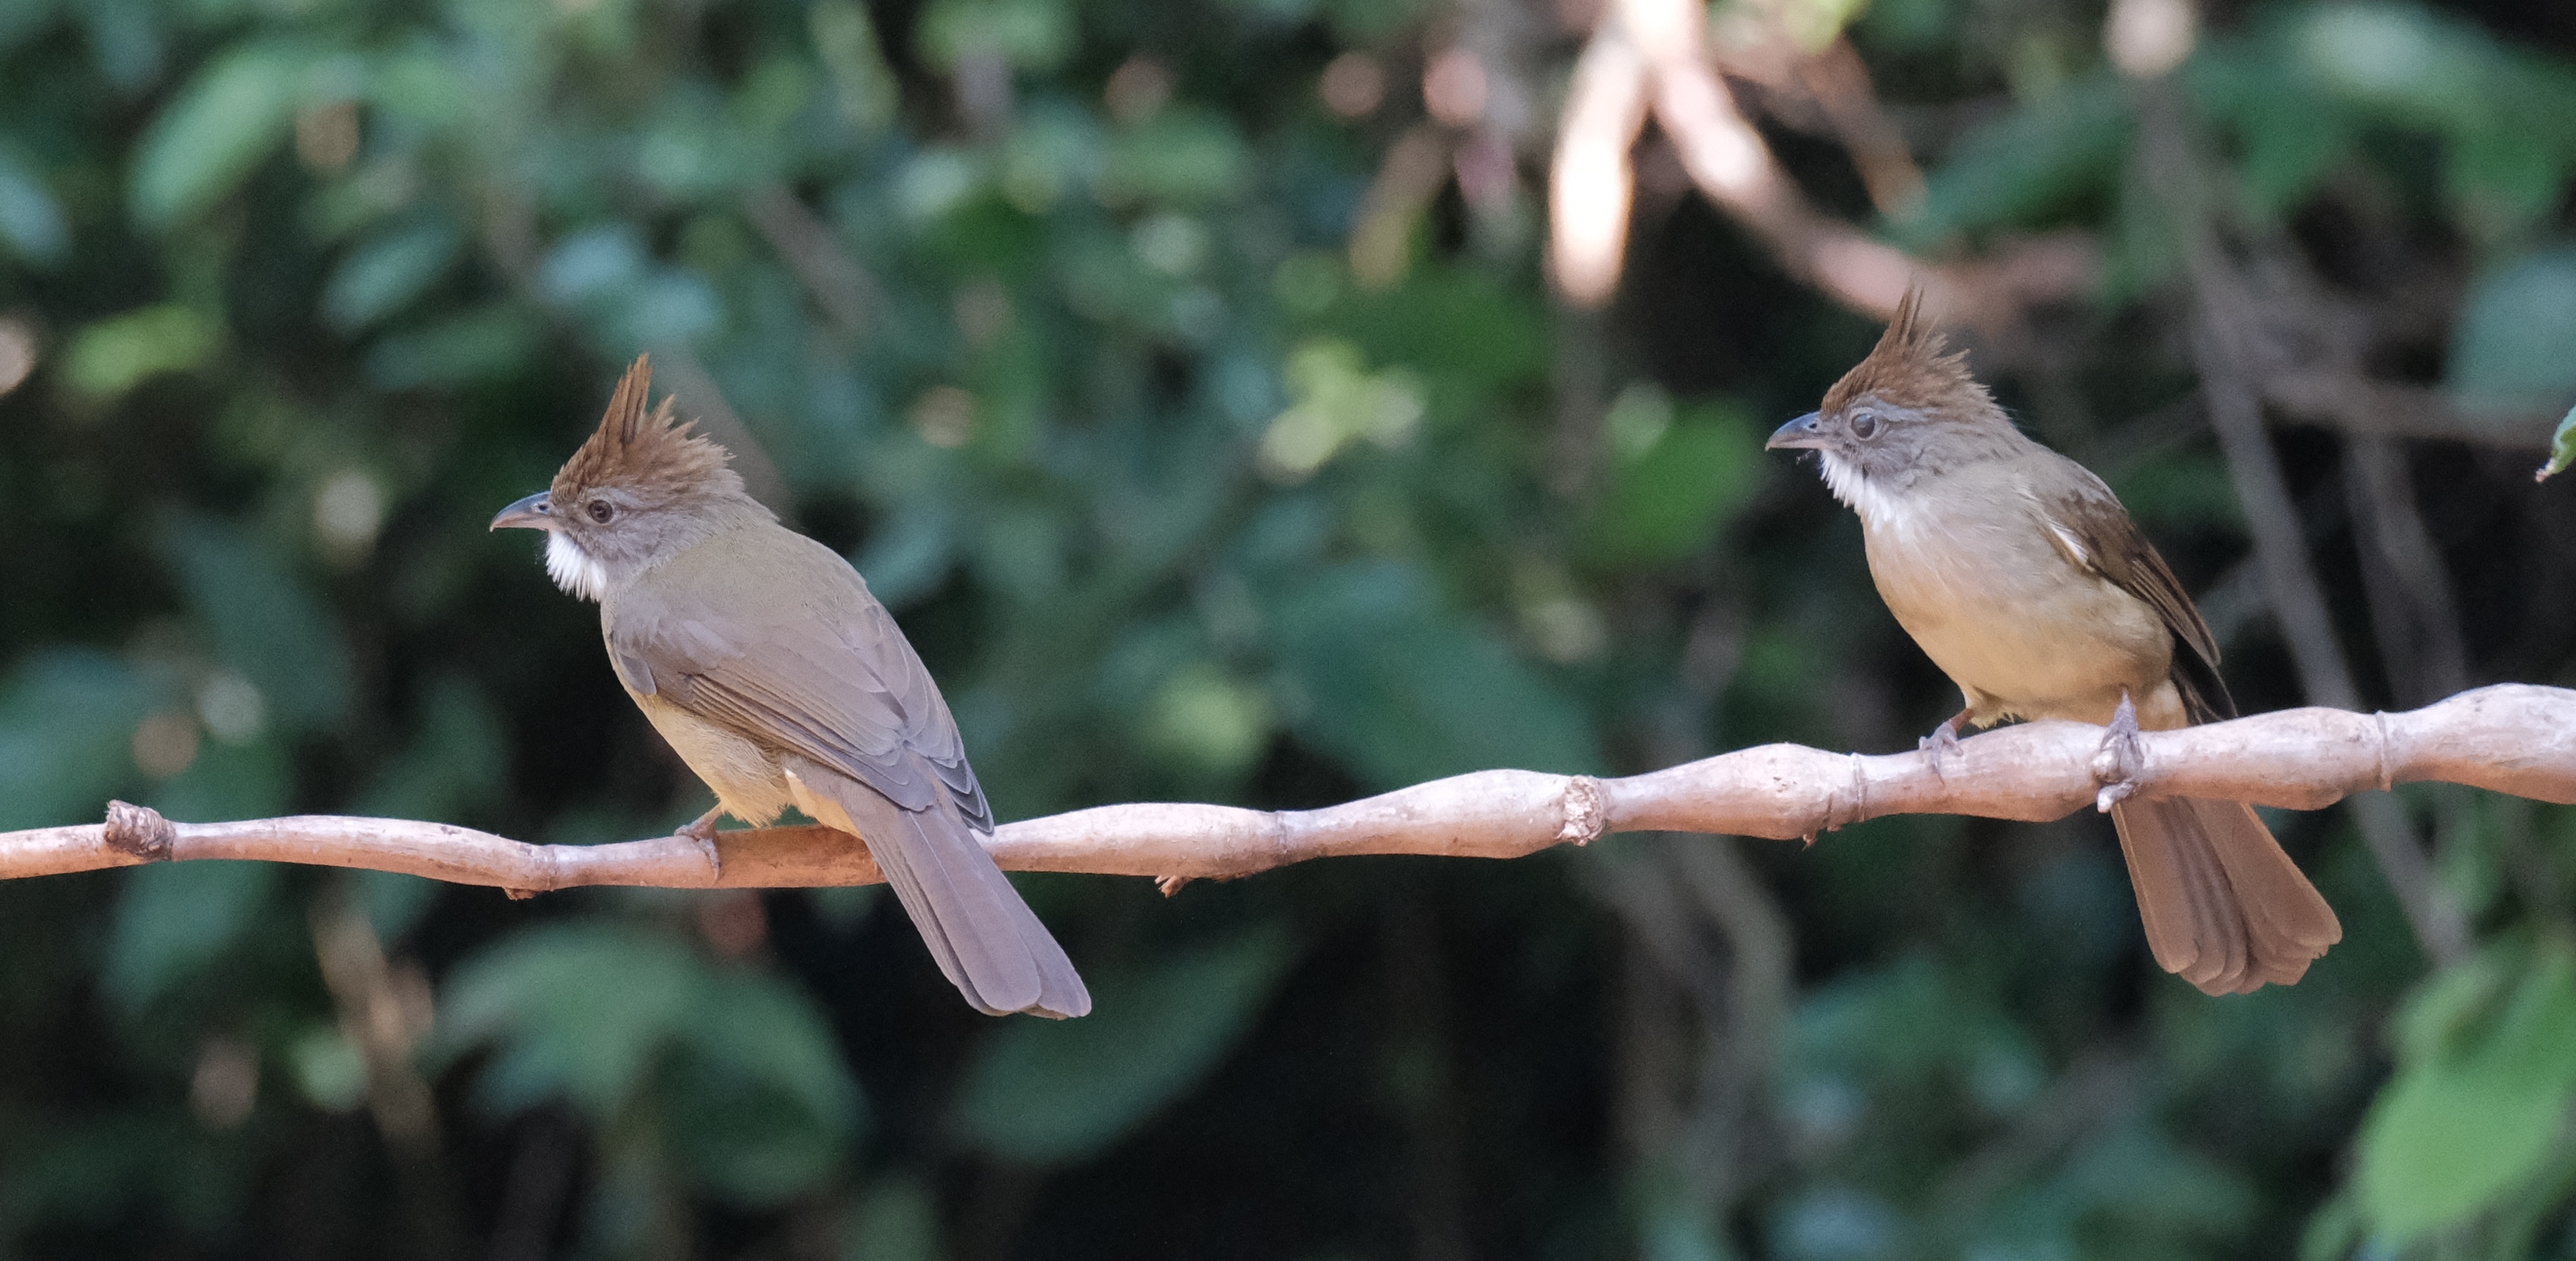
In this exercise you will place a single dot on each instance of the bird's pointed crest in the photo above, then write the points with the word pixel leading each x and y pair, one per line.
pixel 637 447
pixel 1911 365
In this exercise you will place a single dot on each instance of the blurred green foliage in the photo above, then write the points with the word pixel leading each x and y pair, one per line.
pixel 1042 312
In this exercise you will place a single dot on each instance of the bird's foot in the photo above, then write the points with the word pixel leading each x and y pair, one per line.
pixel 703 831
pixel 1943 743
pixel 2121 759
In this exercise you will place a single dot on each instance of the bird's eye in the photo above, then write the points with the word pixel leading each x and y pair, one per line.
pixel 1864 426
pixel 601 510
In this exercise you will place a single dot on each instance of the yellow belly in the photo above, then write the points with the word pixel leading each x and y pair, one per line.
pixel 746 779
pixel 2020 629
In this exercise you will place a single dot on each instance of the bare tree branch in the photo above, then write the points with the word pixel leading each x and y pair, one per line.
pixel 2513 738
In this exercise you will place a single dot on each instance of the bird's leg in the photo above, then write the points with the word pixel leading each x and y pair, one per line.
pixel 703 831
pixel 2117 765
pixel 1943 743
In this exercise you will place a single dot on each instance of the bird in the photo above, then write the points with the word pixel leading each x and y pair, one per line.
pixel 2021 576
pixel 763 659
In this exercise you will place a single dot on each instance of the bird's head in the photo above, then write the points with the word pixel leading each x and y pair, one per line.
pixel 639 491
pixel 1909 410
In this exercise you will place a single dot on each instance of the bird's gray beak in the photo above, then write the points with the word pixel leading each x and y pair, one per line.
pixel 1797 434
pixel 536 512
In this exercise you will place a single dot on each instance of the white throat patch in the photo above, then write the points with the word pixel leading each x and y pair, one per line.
pixel 1877 508
pixel 573 569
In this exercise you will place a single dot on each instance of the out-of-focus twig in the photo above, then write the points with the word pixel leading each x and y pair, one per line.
pixel 385 1012
pixel 2516 738
pixel 1839 81
pixel 1730 164
pixel 2416 619
pixel 1413 172
pixel 1592 184
pixel 2229 335
pixel 2345 399
pixel 840 286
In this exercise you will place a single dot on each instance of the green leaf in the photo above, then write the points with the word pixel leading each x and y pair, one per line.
pixel 454 763
pixel 1182 156
pixel 2482 1093
pixel 1668 499
pixel 587 1011
pixel 763 1108
pixel 205 142
pixel 265 623
pixel 2292 133
pixel 229 781
pixel 387 272
pixel 31 220
pixel 1034 34
pixel 174 920
pixel 2029 165
pixel 480 345
pixel 575 1010
pixel 2562 448
pixel 765 1031
pixel 1058 1091
pixel 67 719
pixel 1403 689
pixel 114 355
pixel 2510 347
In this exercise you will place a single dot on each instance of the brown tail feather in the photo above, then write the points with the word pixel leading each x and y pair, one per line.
pixel 986 940
pixel 2224 908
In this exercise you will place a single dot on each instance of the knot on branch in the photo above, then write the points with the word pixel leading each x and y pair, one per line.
pixel 1586 811
pixel 140 831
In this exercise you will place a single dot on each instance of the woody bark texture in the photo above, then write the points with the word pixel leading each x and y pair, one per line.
pixel 2511 738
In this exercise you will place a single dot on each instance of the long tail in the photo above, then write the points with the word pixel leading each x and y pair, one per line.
pixel 986 940
pixel 2225 909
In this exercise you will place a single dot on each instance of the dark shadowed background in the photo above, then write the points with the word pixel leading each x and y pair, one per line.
pixel 1187 378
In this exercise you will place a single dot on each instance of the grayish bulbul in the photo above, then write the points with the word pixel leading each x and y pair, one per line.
pixel 761 656
pixel 2022 577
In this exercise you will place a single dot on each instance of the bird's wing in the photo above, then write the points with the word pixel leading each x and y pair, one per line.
pixel 803 660
pixel 2088 524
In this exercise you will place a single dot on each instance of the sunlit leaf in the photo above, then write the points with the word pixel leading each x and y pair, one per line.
pixel 1056 1092
pixel 114 355
pixel 2562 448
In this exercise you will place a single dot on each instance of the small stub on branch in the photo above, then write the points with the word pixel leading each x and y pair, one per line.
pixel 140 831
pixel 1170 884
pixel 1585 815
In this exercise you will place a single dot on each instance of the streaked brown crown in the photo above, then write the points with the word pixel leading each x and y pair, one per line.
pixel 1913 367
pixel 654 453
